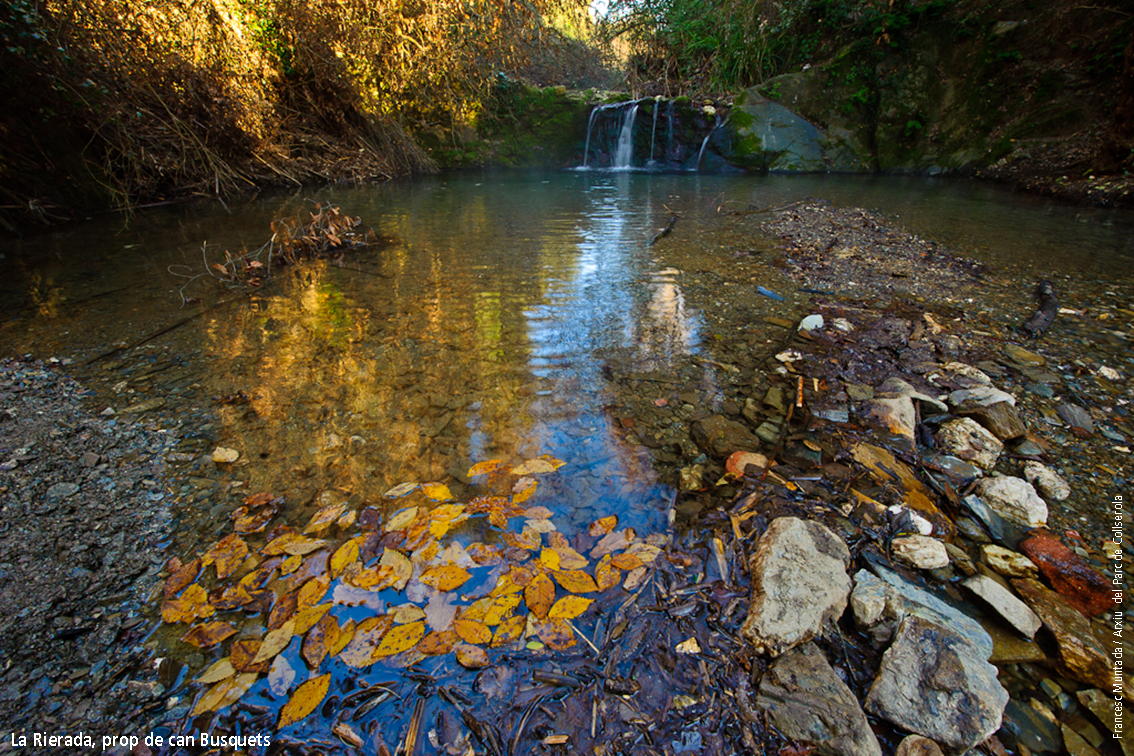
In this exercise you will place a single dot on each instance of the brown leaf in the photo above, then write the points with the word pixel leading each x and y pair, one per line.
pixel 314 648
pixel 626 561
pixel 305 700
pixel 309 617
pixel 275 642
pixel 375 578
pixel 539 595
pixel 523 489
pixel 322 519
pixel 509 631
pixel 606 574
pixel 557 634
pixel 447 577
pixel 224 694
pixel 283 611
pixel 208 634
pixel 603 526
pixel 471 657
pixel 437 643
pixel 472 632
pixel 182 578
pixel 243 652
pixel 313 592
pixel 227 554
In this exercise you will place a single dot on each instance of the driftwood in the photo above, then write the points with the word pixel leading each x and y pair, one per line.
pixel 1045 315
pixel 664 231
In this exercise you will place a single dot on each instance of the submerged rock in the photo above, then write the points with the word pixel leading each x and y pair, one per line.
pixel 799 584
pixel 1069 574
pixel 720 436
pixel 807 701
pixel 935 683
pixel 1014 499
pixel 966 439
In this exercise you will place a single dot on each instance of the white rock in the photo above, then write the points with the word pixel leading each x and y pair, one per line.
pixel 896 414
pixel 1014 499
pixel 224 455
pixel 811 323
pixel 842 324
pixel 1048 482
pixel 967 439
pixel 920 551
pixel 960 369
pixel 1007 562
pixel 980 396
pixel 894 386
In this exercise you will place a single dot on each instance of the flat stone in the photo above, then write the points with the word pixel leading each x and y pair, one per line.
pixel 768 432
pixel 1050 485
pixel 1029 728
pixel 720 436
pixel 895 386
pixel 967 375
pixel 1022 356
pixel 859 392
pixel 774 398
pixel 957 469
pixel 960 559
pixel 1009 648
pixel 896 415
pixel 1102 706
pixel 920 551
pixel 1076 744
pixel 799 584
pixel 1013 499
pixel 61 491
pixel 934 682
pixel 145 406
pixel 742 463
pixel 967 400
pixel 806 701
pixel 1007 562
pixel 1081 652
pixel 966 439
pixel 1014 611
pixel 882 599
pixel 1001 419
pixel 916 745
pixel 1069 574
pixel 1077 417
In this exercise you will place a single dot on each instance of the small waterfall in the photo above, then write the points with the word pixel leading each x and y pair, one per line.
pixel 653 131
pixel 704 144
pixel 626 140
pixel 669 133
pixel 590 123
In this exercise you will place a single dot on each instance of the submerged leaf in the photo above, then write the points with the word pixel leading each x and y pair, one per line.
pixel 401 490
pixel 306 698
pixel 208 634
pixel 472 632
pixel 275 642
pixel 447 577
pixel 575 581
pixel 227 554
pixel 437 491
pixel 222 669
pixel 488 466
pixel 509 631
pixel 401 638
pixel 322 519
pixel 471 657
pixel 539 595
pixel 224 694
pixel 437 643
pixel 360 652
pixel 402 520
pixel 294 544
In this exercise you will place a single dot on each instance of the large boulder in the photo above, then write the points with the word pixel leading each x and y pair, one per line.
pixel 766 136
pixel 806 701
pixel 935 683
pixel 799 584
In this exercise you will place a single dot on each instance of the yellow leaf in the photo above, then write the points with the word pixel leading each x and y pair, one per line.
pixel 275 642
pixel 347 519
pixel 294 544
pixel 401 638
pixel 555 463
pixel 242 652
pixel 345 636
pixel 472 632
pixel 538 513
pixel 534 467
pixel 569 607
pixel 322 519
pixel 603 526
pixel 290 565
pixel 224 694
pixel 512 581
pixel 447 577
pixel 539 595
pixel 501 607
pixel 402 520
pixel 437 491
pixel 191 605
pixel 376 578
pixel 569 559
pixel 626 561
pixel 575 581
pixel 407 613
pixel 549 558
pixel 208 634
pixel 304 700
pixel 343 556
pixel 444 517
pixel 437 643
pixel 314 648
pixel 309 617
pixel 557 634
pixel 400 564
pixel 360 651
pixel 220 670
pixel 509 631
pixel 401 490
pixel 606 574
pixel 523 490
pixel 227 554
pixel 488 466
pixel 312 592
pixel 477 610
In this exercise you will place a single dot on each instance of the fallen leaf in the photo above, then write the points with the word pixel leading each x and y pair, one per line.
pixel 569 607
pixel 182 578
pixel 443 518
pixel 222 669
pixel 312 592
pixel 437 643
pixel 472 632
pixel 294 544
pixel 280 676
pixel 509 631
pixel 376 578
pixel 402 520
pixel 347 520
pixel 192 605
pixel 549 558
pixel 401 490
pixel 283 611
pixel 360 651
pixel 538 513
pixel 208 634
pixel 606 574
pixel 290 565
pixel 635 578
pixel 230 597
pixel 575 581
pixel 437 491
pixel 306 698
pixel 322 519
pixel 401 638
pixel 400 564
pixel 224 694
pixel 539 595
pixel 501 608
pixel 569 559
pixel 471 657
pixel 615 540
pixel 344 555
pixel 488 466
pixel 404 614
pixel 447 577
pixel 626 561
pixel 346 634
pixel 603 526
pixel 314 648
pixel 227 554
pixel 241 654
pixel 254 521
pixel 440 611
pixel 523 489
pixel 310 617
pixel 533 467
pixel 275 641
pixel 557 634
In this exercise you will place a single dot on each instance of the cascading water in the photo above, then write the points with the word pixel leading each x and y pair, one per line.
pixel 625 151
pixel 653 132
pixel 590 123
pixel 704 144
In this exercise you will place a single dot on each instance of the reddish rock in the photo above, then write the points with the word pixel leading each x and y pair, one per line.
pixel 1069 574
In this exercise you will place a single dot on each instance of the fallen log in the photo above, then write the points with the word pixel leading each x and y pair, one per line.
pixel 1045 315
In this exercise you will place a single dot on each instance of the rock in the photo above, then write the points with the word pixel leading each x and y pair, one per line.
pixel 958 470
pixel 89 459
pixel 1022 356
pixel 1069 574
pixel 896 415
pixel 1081 651
pixel 1076 744
pixel 1013 499
pixel 774 398
pixel 145 406
pixel 1007 562
pixel 766 136
pixel 799 584
pixel 920 551
pixel 859 392
pixel 1009 648
pixel 967 400
pixel 967 375
pixel 1001 600
pixel 1029 728
pixel 1029 448
pixel 895 386
pixel 966 439
pixel 882 599
pixel 916 745
pixel 720 436
pixel 108 412
pixel 1077 417
pixel 692 478
pixel 769 432
pixel 806 701
pixel 742 463
pixel 1001 419
pixel 1102 706
pixel 61 491
pixel 960 559
pixel 223 455
pixel 1050 485
pixel 811 323
pixel 935 683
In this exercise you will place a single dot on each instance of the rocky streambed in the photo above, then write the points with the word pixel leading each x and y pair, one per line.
pixel 890 535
